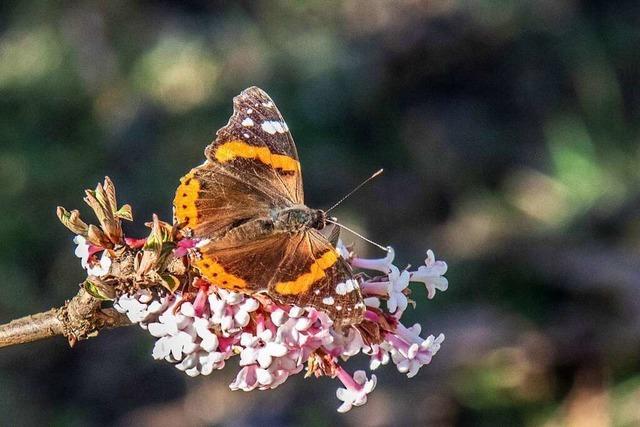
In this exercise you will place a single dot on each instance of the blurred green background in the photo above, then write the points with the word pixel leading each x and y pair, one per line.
pixel 509 134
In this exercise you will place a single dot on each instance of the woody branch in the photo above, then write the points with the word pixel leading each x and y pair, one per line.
pixel 79 318
pixel 126 265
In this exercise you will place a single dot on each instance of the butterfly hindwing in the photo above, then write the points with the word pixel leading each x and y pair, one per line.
pixel 245 265
pixel 303 269
pixel 314 274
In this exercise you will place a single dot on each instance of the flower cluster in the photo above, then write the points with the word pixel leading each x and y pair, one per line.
pixel 198 334
pixel 199 326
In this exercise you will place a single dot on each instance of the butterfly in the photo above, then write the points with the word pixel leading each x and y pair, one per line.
pixel 245 206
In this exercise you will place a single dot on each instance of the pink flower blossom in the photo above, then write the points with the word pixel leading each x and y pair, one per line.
pixel 260 348
pixel 201 334
pixel 134 243
pixel 183 246
pixel 381 264
pixel 345 343
pixel 88 259
pixel 409 351
pixel 379 356
pixel 356 389
pixel 431 274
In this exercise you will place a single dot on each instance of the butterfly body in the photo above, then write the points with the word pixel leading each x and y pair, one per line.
pixel 245 205
pixel 296 218
pixel 291 220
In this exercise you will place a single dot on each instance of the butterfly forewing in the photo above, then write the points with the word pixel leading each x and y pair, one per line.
pixel 257 146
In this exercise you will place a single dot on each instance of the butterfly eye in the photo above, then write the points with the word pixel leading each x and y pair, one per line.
pixel 319 220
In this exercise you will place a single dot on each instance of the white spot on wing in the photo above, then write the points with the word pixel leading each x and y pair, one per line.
pixel 328 300
pixel 247 122
pixel 268 128
pixel 279 127
pixel 348 286
pixel 249 110
pixel 273 126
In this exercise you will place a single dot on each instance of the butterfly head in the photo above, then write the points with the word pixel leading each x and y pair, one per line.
pixel 318 219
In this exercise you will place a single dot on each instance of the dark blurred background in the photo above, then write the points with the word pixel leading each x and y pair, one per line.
pixel 509 135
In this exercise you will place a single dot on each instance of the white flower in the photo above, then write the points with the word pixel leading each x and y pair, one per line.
pixel 398 282
pixel 142 307
pixel 253 376
pixel 409 351
pixel 85 252
pixel 260 349
pixel 431 275
pixel 249 378
pixel 174 347
pixel 274 342
pixel 102 268
pixel 381 264
pixel 82 250
pixel 379 356
pixel 356 391
pixel 303 330
pixel 231 310
pixel 345 344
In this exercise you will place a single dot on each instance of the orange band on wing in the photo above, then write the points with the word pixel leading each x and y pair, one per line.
pixel 217 275
pixel 239 149
pixel 304 282
pixel 185 201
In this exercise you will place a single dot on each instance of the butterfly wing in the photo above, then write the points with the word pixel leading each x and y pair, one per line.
pixel 252 167
pixel 241 264
pixel 302 269
pixel 257 147
pixel 314 274
pixel 211 202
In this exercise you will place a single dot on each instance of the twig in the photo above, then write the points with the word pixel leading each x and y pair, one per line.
pixel 80 318
pixel 132 265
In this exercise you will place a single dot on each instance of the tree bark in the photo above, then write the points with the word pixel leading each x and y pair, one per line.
pixel 80 318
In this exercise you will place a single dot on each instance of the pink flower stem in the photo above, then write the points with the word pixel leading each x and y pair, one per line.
pixel 260 324
pixel 398 343
pixel 405 333
pixel 93 249
pixel 368 264
pixel 374 288
pixel 371 315
pixel 200 303
pixel 347 380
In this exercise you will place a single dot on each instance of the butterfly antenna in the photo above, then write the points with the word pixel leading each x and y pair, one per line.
pixel 331 221
pixel 354 190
